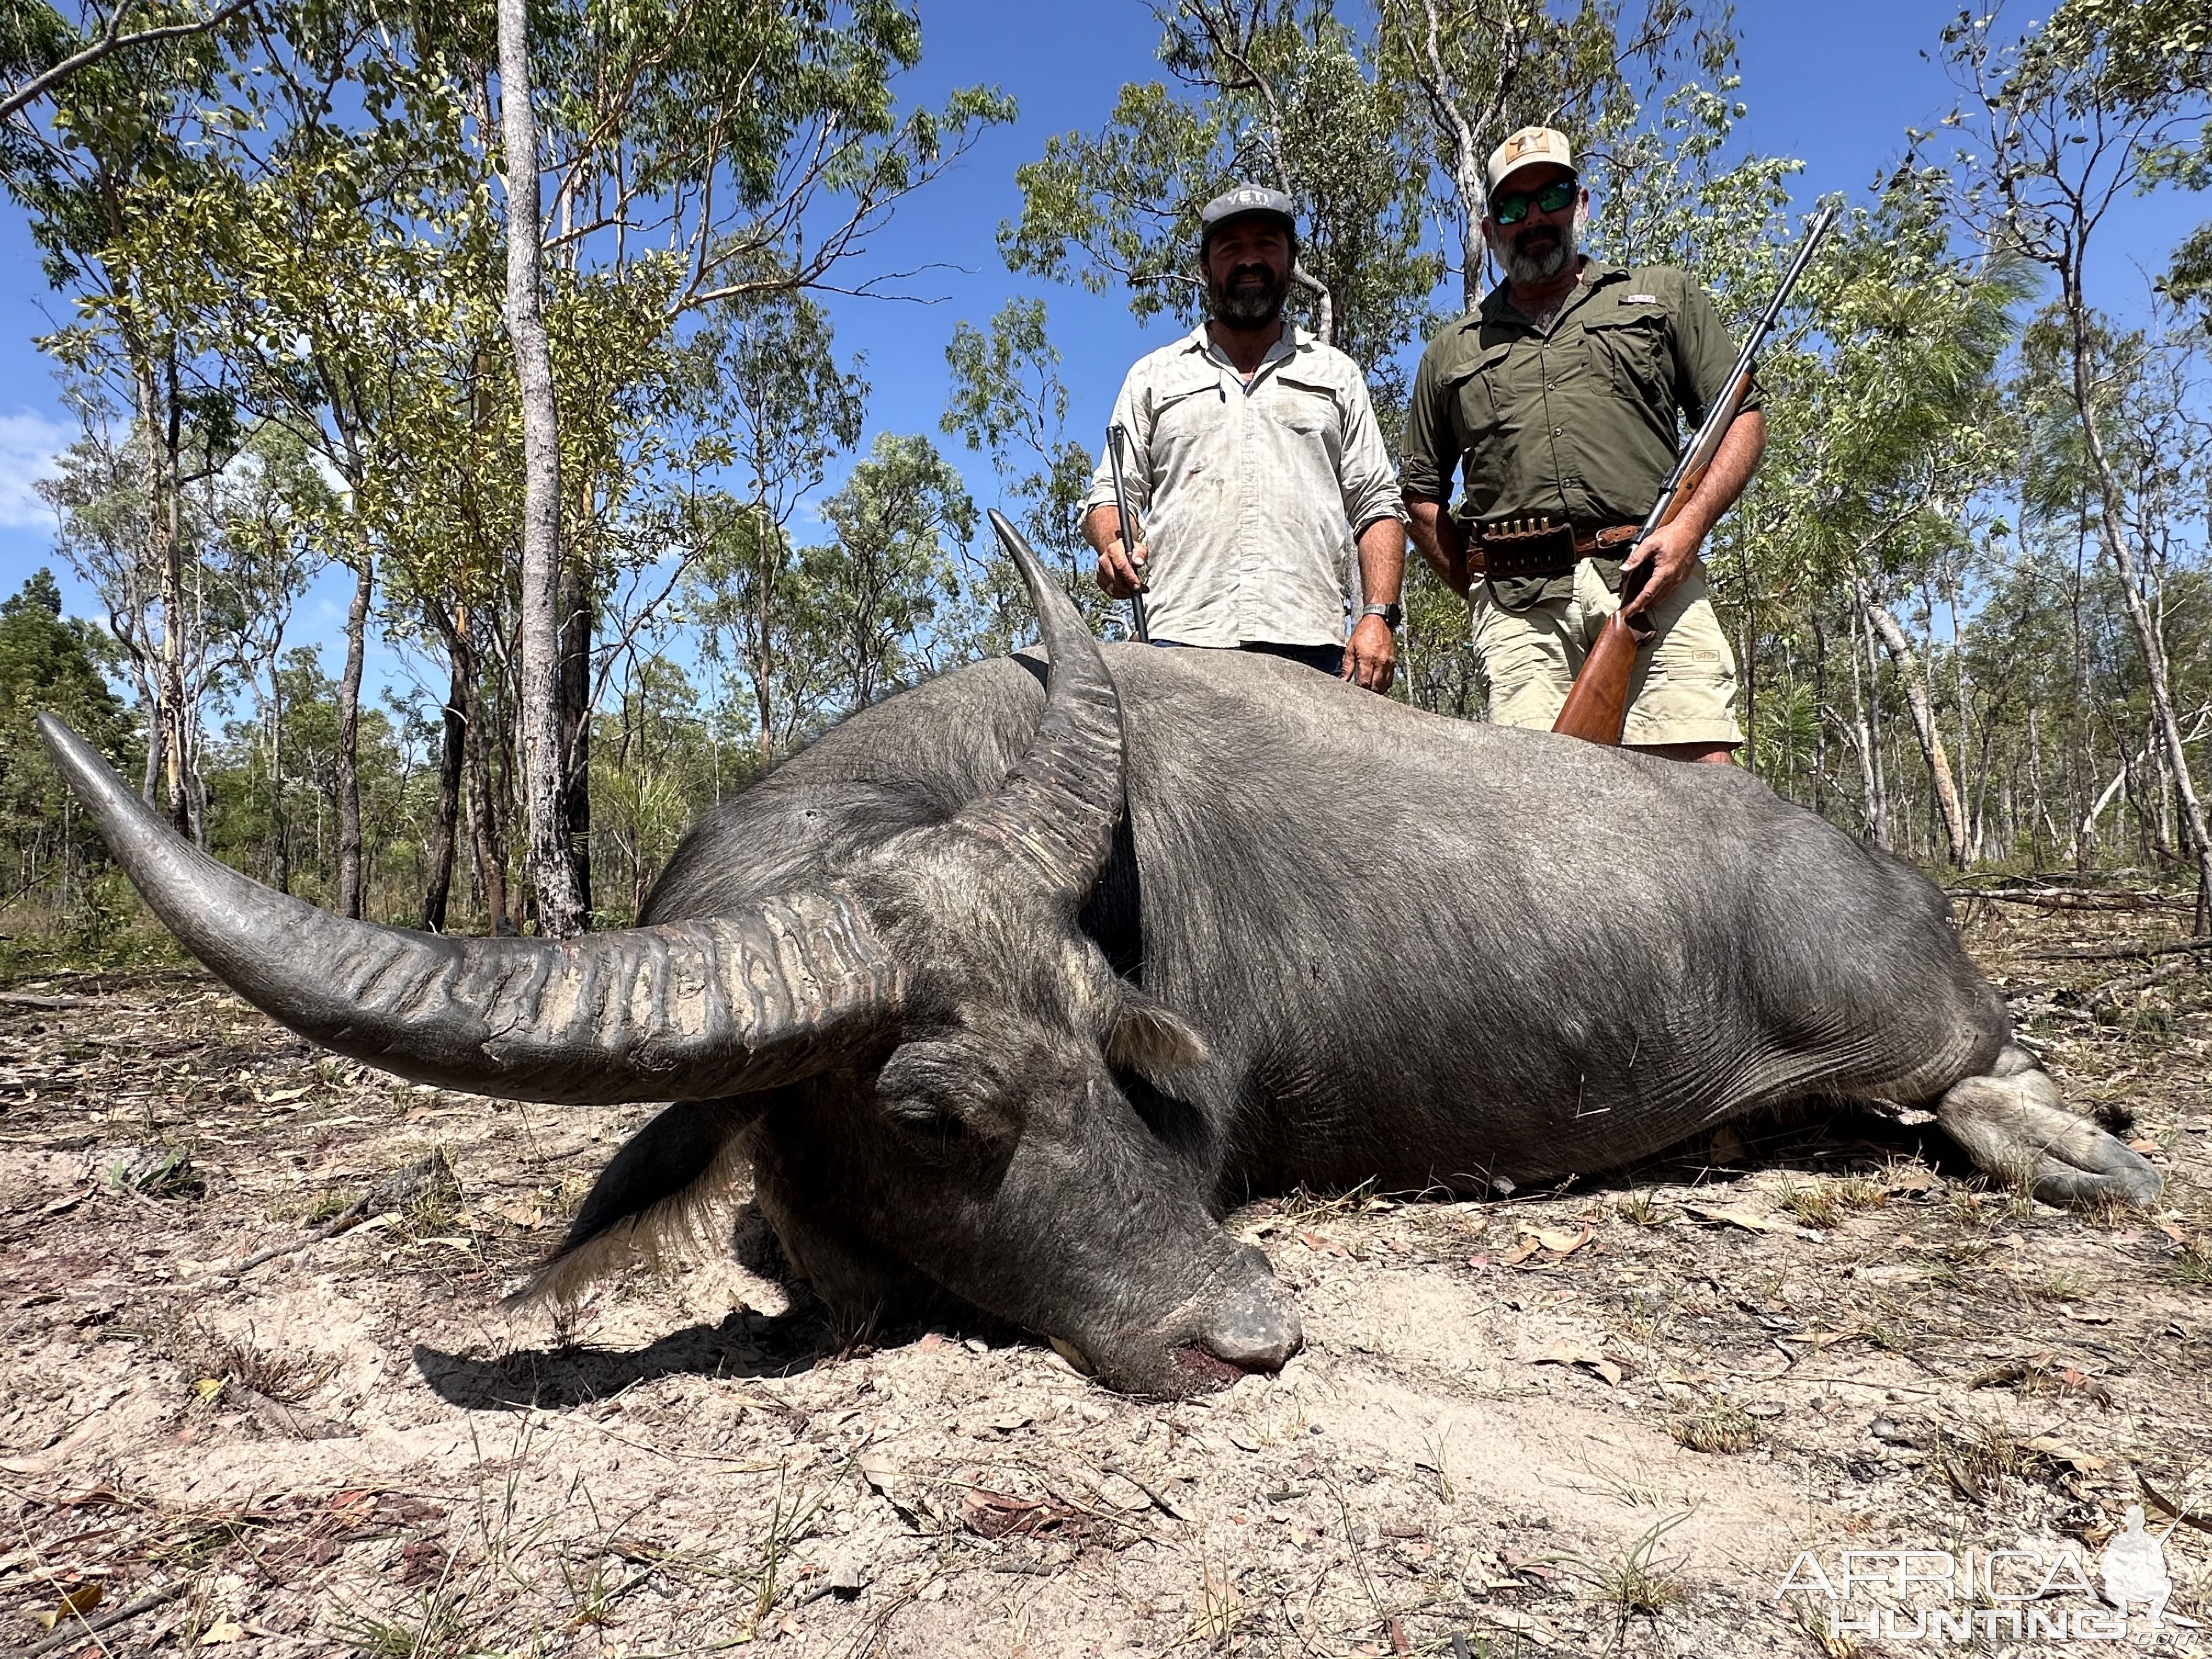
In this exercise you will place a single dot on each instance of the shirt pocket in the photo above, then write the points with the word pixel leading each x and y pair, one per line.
pixel 1478 394
pixel 1306 407
pixel 1635 348
pixel 1184 402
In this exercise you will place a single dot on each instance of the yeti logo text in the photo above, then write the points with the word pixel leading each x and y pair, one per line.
pixel 2016 1596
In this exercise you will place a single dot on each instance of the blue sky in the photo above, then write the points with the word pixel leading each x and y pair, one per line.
pixel 1834 86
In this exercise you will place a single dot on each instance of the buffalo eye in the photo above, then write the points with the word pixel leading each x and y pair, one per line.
pixel 940 1088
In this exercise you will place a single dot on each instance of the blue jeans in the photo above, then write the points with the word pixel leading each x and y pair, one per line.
pixel 1329 659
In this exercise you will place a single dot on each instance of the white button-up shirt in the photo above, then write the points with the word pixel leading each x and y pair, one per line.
pixel 1246 491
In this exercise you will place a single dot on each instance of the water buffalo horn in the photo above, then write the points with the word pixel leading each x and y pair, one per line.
pixel 686 1010
pixel 1057 809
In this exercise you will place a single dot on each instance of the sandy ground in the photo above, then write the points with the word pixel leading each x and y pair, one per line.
pixel 1609 1419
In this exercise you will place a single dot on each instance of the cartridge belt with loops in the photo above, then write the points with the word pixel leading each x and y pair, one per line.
pixel 1535 546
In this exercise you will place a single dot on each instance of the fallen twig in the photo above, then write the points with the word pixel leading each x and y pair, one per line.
pixel 2051 898
pixel 1158 1502
pixel 395 1192
pixel 79 1627
pixel 2159 1500
pixel 51 1004
pixel 2125 950
pixel 2113 990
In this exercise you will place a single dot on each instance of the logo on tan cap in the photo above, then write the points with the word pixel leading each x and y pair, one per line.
pixel 1526 149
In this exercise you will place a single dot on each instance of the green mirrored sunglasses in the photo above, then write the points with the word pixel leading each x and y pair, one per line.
pixel 1512 208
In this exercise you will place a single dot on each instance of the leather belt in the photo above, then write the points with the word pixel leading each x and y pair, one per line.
pixel 1538 547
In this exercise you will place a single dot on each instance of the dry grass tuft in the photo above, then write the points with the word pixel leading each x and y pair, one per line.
pixel 1971 1205
pixel 1828 1204
pixel 1641 1209
pixel 1814 1622
pixel 287 1378
pixel 1721 1427
pixel 2192 1263
pixel 1975 1459
pixel 1303 1207
pixel 1641 1583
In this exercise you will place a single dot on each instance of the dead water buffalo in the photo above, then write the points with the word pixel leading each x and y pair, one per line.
pixel 1008 992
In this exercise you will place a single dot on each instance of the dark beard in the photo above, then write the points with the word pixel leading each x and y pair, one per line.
pixel 1247 306
pixel 1540 266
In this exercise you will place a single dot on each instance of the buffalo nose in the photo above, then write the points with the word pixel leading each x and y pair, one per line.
pixel 1257 1330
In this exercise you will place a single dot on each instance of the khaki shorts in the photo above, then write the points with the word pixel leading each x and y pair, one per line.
pixel 1685 686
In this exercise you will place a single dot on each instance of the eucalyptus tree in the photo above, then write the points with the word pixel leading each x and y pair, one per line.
pixel 561 906
pixel 95 161
pixel 1007 400
pixel 880 582
pixel 2057 126
pixel 1271 91
pixel 761 384
pixel 40 49
pixel 1483 69
pixel 51 663
pixel 149 542
pixel 1885 431
pixel 710 152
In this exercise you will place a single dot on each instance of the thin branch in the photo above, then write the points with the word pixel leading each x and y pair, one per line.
pixel 110 39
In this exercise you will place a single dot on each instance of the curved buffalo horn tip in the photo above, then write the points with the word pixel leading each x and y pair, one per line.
pixel 1058 807
pixel 684 1010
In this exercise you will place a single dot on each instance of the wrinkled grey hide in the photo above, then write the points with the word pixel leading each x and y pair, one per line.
pixel 1417 952
pixel 1334 940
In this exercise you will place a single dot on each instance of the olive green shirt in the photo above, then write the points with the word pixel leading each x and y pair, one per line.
pixel 1578 421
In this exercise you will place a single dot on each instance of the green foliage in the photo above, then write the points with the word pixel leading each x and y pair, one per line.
pixel 271 822
pixel 878 585
pixel 52 665
pixel 1476 70
pixel 1007 399
pixel 1282 93
pixel 280 244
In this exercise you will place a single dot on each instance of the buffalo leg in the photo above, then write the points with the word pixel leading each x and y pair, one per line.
pixel 2011 1124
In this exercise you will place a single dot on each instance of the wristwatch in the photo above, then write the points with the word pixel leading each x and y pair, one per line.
pixel 1392 614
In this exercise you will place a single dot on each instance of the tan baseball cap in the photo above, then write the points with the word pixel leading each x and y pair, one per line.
pixel 1527 148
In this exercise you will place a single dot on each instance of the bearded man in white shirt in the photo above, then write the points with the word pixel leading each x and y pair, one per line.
pixel 1252 450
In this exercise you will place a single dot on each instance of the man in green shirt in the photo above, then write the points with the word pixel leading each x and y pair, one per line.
pixel 1561 400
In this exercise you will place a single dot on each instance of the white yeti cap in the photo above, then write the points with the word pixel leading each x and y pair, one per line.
pixel 1526 149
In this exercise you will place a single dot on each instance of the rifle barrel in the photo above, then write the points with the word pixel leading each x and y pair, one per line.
pixel 1699 452
pixel 1115 436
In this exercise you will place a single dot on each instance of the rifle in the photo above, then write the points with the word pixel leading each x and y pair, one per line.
pixel 1115 439
pixel 1597 702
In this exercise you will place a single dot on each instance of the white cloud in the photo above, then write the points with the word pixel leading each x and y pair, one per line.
pixel 29 444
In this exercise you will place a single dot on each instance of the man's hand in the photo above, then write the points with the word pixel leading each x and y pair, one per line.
pixel 1671 551
pixel 1438 536
pixel 1121 571
pixel 1371 656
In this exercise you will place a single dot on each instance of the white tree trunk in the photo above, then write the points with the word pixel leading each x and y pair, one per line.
pixel 1866 738
pixel 1923 721
pixel 538 625
pixel 2148 633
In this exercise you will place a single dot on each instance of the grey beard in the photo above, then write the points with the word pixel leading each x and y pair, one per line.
pixel 1536 269
pixel 1249 310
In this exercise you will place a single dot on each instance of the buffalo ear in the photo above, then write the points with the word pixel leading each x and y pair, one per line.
pixel 1150 1039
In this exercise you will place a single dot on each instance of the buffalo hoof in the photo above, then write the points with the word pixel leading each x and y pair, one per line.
pixel 2011 1124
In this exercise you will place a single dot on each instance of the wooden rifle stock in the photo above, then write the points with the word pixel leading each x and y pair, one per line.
pixel 1597 702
